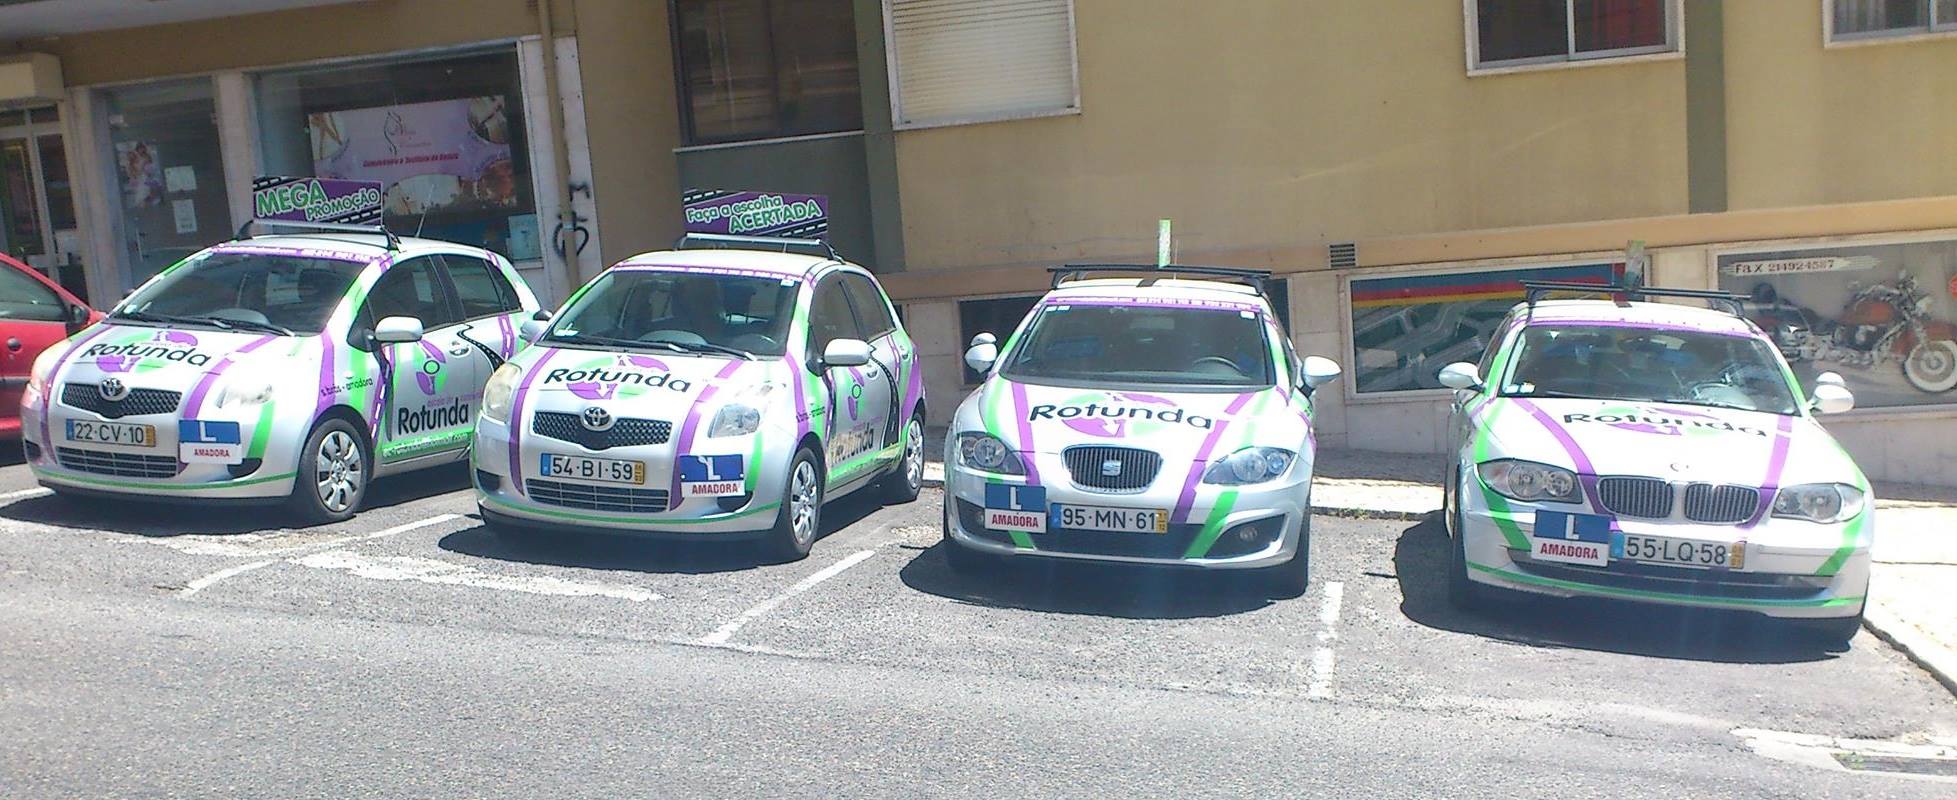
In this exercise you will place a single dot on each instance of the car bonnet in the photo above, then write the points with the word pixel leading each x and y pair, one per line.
pixel 1182 426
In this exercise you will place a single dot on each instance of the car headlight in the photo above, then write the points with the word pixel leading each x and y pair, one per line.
pixel 42 371
pixel 742 415
pixel 499 391
pixel 985 452
pixel 245 393
pixel 1529 481
pixel 1250 465
pixel 1818 502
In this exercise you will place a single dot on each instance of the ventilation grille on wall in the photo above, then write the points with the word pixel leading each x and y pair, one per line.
pixel 1343 255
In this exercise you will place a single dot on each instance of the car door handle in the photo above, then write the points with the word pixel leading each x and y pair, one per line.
pixel 13 344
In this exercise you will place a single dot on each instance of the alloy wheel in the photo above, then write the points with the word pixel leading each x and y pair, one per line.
pixel 338 471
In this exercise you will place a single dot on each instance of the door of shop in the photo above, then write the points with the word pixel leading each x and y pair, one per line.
pixel 37 205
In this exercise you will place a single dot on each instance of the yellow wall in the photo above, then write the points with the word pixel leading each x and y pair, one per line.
pixel 1284 123
pixel 1808 125
pixel 631 111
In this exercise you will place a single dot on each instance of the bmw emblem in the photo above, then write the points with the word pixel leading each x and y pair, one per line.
pixel 1111 468
pixel 112 389
pixel 596 419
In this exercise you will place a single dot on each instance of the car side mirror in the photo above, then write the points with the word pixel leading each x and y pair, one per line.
pixel 846 353
pixel 1830 379
pixel 532 330
pixel 1830 398
pixel 398 330
pixel 1318 371
pixel 542 315
pixel 77 318
pixel 1461 375
pixel 983 353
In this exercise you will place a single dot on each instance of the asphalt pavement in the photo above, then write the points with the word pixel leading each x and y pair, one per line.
pixel 190 652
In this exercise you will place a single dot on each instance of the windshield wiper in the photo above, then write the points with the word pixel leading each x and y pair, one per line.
pixel 229 323
pixel 591 338
pixel 160 319
pixel 1562 395
pixel 706 347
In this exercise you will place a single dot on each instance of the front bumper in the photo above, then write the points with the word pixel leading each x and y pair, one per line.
pixel 510 488
pixel 156 472
pixel 1792 568
pixel 1225 527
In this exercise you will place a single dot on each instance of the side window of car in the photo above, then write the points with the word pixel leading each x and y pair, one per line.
pixel 830 317
pixel 872 312
pixel 411 288
pixel 22 297
pixel 1488 351
pixel 481 288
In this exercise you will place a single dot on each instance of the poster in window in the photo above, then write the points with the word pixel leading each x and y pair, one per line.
pixel 141 168
pixel 1881 316
pixel 1405 328
pixel 444 155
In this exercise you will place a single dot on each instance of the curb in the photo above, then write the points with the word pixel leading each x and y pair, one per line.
pixel 1345 512
pixel 1934 658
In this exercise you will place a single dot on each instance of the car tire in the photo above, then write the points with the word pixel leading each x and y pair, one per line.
pixel 334 470
pixel 799 520
pixel 1293 578
pixel 903 485
pixel 1836 631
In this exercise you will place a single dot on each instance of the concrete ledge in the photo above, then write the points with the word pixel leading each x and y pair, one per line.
pixel 1934 658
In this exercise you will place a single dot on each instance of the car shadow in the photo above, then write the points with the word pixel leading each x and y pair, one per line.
pixel 1421 558
pixel 136 516
pixel 585 550
pixel 1089 589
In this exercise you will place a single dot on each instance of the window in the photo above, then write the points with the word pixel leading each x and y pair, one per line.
pixel 692 311
pixel 1142 346
pixel 1517 32
pixel 1873 19
pixel 872 313
pixel 956 61
pixel 1882 316
pixel 1406 327
pixel 291 292
pixel 829 317
pixel 480 287
pixel 23 298
pixel 168 165
pixel 764 69
pixel 409 289
pixel 998 317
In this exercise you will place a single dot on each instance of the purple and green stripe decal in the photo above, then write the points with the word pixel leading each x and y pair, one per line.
pixel 1226 500
pixel 47 392
pixel 516 418
pixel 692 426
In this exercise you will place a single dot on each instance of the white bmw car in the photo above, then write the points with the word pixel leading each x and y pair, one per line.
pixel 1157 420
pixel 1653 452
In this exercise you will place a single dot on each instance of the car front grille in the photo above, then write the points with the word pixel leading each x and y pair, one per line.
pixel 88 397
pixel 1706 502
pixel 597 498
pixel 126 465
pixel 624 432
pixel 1636 497
pixel 1133 469
pixel 1709 583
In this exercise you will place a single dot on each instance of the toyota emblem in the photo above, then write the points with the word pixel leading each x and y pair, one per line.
pixel 1111 468
pixel 596 419
pixel 112 389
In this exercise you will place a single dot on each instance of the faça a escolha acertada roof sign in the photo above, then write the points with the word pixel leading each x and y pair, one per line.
pixel 799 216
pixel 316 200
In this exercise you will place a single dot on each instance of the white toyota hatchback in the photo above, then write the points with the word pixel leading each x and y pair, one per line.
pixel 1161 419
pixel 1654 452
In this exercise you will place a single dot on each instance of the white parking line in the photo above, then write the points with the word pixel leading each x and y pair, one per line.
pixel 237 545
pixel 1324 658
pixel 725 633
pixel 428 570
pixel 205 582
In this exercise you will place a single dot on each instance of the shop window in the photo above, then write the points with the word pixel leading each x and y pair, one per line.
pixel 958 61
pixel 1884 316
pixel 169 172
pixel 765 69
pixel 481 288
pixel 999 317
pixel 1872 19
pixel 443 133
pixel 1406 327
pixel 1518 32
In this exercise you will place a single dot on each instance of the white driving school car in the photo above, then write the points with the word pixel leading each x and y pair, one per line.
pixel 1153 418
pixel 1654 452
pixel 289 367
pixel 718 393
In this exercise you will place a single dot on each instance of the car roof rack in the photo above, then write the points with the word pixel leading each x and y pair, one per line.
pixel 721 241
pixel 1258 279
pixel 393 241
pixel 1725 301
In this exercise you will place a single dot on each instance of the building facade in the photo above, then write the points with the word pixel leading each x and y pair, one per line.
pixel 1401 165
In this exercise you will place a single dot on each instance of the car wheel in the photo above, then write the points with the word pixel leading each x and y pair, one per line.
pixel 902 486
pixel 333 474
pixel 1291 578
pixel 800 517
pixel 1839 630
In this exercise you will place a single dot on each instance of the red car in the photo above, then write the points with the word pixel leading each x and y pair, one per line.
pixel 34 313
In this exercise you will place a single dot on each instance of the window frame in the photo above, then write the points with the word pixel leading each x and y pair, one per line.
pixel 814 353
pixel 897 121
pixel 684 98
pixel 505 293
pixel 1673 48
pixel 1934 30
pixel 862 325
pixel 364 318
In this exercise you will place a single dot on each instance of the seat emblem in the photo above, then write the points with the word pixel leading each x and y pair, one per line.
pixel 112 389
pixel 1111 468
pixel 597 419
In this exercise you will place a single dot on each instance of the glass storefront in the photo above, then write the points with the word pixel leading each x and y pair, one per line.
pixel 444 133
pixel 168 172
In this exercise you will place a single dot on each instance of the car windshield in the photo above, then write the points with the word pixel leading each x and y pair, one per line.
pixel 1650 365
pixel 1143 345
pixel 686 311
pixel 264 292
